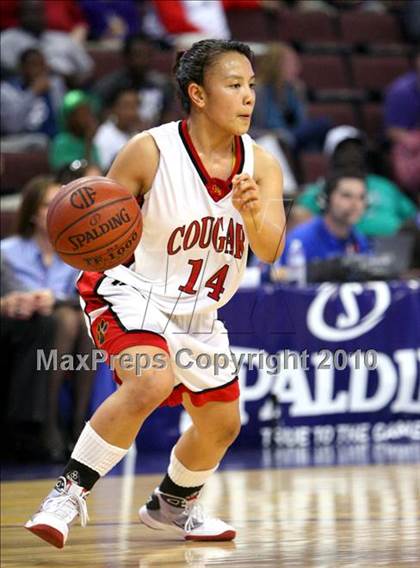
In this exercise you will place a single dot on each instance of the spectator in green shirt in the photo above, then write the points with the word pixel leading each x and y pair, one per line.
pixel 387 207
pixel 79 124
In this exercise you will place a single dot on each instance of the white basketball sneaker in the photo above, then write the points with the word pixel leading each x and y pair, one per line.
pixel 184 516
pixel 58 511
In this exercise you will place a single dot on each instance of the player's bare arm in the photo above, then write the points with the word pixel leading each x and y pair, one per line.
pixel 136 165
pixel 260 202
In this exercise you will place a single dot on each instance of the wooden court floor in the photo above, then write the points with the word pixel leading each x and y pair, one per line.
pixel 359 517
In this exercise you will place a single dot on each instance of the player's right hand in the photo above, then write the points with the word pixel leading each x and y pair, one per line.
pixel 246 196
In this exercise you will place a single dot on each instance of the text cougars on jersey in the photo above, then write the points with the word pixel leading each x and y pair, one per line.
pixel 223 235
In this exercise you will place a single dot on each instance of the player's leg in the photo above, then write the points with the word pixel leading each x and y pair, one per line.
pixel 104 441
pixel 194 459
pixel 82 380
pixel 121 415
pixel 215 426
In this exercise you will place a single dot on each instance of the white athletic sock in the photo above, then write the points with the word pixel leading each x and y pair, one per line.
pixel 184 477
pixel 95 452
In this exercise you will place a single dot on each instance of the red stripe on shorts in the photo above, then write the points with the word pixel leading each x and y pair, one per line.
pixel 225 393
pixel 107 331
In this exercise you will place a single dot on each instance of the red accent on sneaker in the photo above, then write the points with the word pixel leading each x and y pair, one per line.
pixel 49 534
pixel 227 535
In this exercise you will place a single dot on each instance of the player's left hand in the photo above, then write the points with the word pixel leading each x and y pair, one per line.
pixel 246 196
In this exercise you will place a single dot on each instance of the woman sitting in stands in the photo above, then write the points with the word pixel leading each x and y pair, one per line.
pixel 37 267
pixel 281 105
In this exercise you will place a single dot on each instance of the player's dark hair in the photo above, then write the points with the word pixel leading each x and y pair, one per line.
pixel 191 64
pixel 32 196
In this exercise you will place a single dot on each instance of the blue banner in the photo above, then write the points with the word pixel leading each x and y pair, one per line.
pixel 348 363
pixel 329 364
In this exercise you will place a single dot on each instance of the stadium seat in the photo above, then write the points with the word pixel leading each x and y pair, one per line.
pixel 106 61
pixel 324 72
pixel 339 113
pixel 163 61
pixel 364 27
pixel 372 117
pixel 376 73
pixel 402 49
pixel 313 166
pixel 306 27
pixel 7 223
pixel 18 168
pixel 109 60
pixel 251 25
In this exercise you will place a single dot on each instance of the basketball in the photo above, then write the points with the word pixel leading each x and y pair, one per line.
pixel 94 224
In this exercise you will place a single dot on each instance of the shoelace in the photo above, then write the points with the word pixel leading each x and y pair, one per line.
pixel 196 516
pixel 64 507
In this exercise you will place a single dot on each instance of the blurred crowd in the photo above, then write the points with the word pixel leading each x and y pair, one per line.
pixel 80 77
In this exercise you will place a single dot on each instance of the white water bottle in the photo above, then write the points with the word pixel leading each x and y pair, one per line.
pixel 296 264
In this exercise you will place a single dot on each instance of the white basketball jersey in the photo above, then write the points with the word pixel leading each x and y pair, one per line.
pixel 193 250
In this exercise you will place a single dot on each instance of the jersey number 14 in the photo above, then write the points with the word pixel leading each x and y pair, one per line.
pixel 215 282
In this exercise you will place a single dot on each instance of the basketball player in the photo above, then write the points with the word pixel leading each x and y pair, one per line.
pixel 207 191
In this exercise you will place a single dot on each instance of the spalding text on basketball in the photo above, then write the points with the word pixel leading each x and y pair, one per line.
pixel 206 232
pixel 82 239
pixel 83 197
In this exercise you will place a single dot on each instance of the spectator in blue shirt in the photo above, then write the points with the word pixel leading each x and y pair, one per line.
pixel 36 266
pixel 333 234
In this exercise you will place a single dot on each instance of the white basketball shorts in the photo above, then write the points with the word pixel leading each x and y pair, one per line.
pixel 119 316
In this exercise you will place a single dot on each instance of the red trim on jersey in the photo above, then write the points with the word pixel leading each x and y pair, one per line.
pixel 226 393
pixel 217 188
